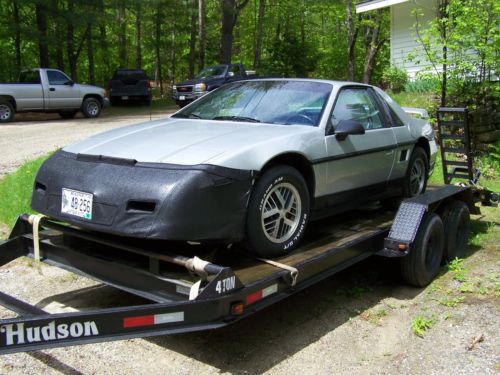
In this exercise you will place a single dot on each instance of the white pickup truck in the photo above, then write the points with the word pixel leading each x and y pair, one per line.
pixel 49 90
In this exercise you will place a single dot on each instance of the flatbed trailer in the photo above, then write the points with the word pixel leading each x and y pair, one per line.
pixel 186 293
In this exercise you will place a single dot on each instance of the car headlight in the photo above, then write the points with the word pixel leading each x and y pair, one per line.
pixel 174 87
pixel 200 87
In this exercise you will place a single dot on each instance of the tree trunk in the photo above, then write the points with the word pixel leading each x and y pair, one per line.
pixel 59 35
pixel 122 37
pixel 201 33
pixel 70 42
pixel 158 23
pixel 173 54
pixel 351 41
pixel 138 50
pixel 102 34
pixel 192 39
pixel 230 10
pixel 17 35
pixel 41 22
pixel 442 14
pixel 372 46
pixel 90 55
pixel 258 45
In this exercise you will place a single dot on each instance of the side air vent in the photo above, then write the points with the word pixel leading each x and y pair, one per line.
pixel 140 207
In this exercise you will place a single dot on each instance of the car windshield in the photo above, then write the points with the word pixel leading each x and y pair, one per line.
pixel 277 102
pixel 212 71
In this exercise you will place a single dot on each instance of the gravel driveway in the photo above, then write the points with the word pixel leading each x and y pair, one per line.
pixel 357 322
pixel 29 137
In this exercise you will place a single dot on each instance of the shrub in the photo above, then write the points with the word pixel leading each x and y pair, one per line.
pixel 395 78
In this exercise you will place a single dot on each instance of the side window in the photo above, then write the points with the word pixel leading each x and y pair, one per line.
pixel 356 104
pixel 396 121
pixel 56 78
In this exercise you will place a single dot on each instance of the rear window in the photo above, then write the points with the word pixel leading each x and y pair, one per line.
pixel 29 76
pixel 130 74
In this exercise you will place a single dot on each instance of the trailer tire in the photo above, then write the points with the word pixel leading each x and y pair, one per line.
pixel 6 111
pixel 456 221
pixel 421 265
pixel 278 212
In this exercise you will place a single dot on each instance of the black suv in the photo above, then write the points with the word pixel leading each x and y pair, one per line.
pixel 129 85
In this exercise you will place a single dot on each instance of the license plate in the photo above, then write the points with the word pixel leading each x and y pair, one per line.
pixel 182 97
pixel 124 97
pixel 77 203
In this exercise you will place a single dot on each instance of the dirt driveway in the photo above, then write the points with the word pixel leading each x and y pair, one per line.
pixel 357 322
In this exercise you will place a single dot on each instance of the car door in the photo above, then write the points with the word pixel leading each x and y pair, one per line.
pixel 62 92
pixel 359 164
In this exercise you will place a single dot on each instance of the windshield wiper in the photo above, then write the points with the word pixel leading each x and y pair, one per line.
pixel 236 118
pixel 182 115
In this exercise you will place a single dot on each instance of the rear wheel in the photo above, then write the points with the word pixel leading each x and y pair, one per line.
pixel 91 108
pixel 415 181
pixel 421 265
pixel 456 221
pixel 278 212
pixel 6 111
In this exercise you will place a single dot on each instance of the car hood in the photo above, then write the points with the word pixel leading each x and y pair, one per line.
pixel 183 141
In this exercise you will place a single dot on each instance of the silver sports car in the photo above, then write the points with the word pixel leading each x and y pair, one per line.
pixel 253 162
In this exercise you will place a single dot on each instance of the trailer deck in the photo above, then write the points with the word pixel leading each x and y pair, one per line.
pixel 188 293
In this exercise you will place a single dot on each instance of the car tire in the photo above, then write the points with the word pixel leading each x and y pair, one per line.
pixel 67 114
pixel 91 108
pixel 456 221
pixel 415 180
pixel 278 212
pixel 6 111
pixel 421 265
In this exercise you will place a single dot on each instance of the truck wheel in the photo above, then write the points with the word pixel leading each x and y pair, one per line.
pixel 421 265
pixel 456 222
pixel 415 180
pixel 278 212
pixel 91 108
pixel 6 111
pixel 67 114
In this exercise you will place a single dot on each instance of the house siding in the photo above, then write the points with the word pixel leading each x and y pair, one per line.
pixel 404 39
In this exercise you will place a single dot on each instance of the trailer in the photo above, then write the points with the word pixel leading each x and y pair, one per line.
pixel 215 286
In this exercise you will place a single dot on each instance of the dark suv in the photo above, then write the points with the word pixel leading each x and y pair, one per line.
pixel 129 85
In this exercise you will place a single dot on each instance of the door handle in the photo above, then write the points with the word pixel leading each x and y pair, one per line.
pixel 52 89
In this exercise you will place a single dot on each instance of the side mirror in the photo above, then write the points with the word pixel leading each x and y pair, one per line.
pixel 69 83
pixel 348 127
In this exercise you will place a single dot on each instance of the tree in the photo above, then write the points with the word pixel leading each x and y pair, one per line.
pixel 201 33
pixel 351 43
pixel 192 38
pixel 373 41
pixel 138 24
pixel 230 10
pixel 258 43
pixel 41 22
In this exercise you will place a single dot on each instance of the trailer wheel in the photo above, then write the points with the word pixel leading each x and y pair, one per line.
pixel 6 111
pixel 278 212
pixel 91 108
pixel 456 222
pixel 421 265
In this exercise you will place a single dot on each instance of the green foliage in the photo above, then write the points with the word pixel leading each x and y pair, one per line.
pixel 423 83
pixel 395 78
pixel 420 324
pixel 16 189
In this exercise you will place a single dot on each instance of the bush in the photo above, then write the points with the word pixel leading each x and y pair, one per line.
pixel 395 79
pixel 424 83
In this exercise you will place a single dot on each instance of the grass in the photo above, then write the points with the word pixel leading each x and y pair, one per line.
pixel 157 105
pixel 421 324
pixel 15 191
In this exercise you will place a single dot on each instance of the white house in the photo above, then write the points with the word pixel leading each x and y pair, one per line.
pixel 404 38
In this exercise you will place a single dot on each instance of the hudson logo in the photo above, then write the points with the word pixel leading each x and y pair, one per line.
pixel 16 333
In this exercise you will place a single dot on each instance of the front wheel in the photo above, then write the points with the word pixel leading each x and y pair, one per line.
pixel 278 212
pixel 415 181
pixel 91 108
pixel 6 111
